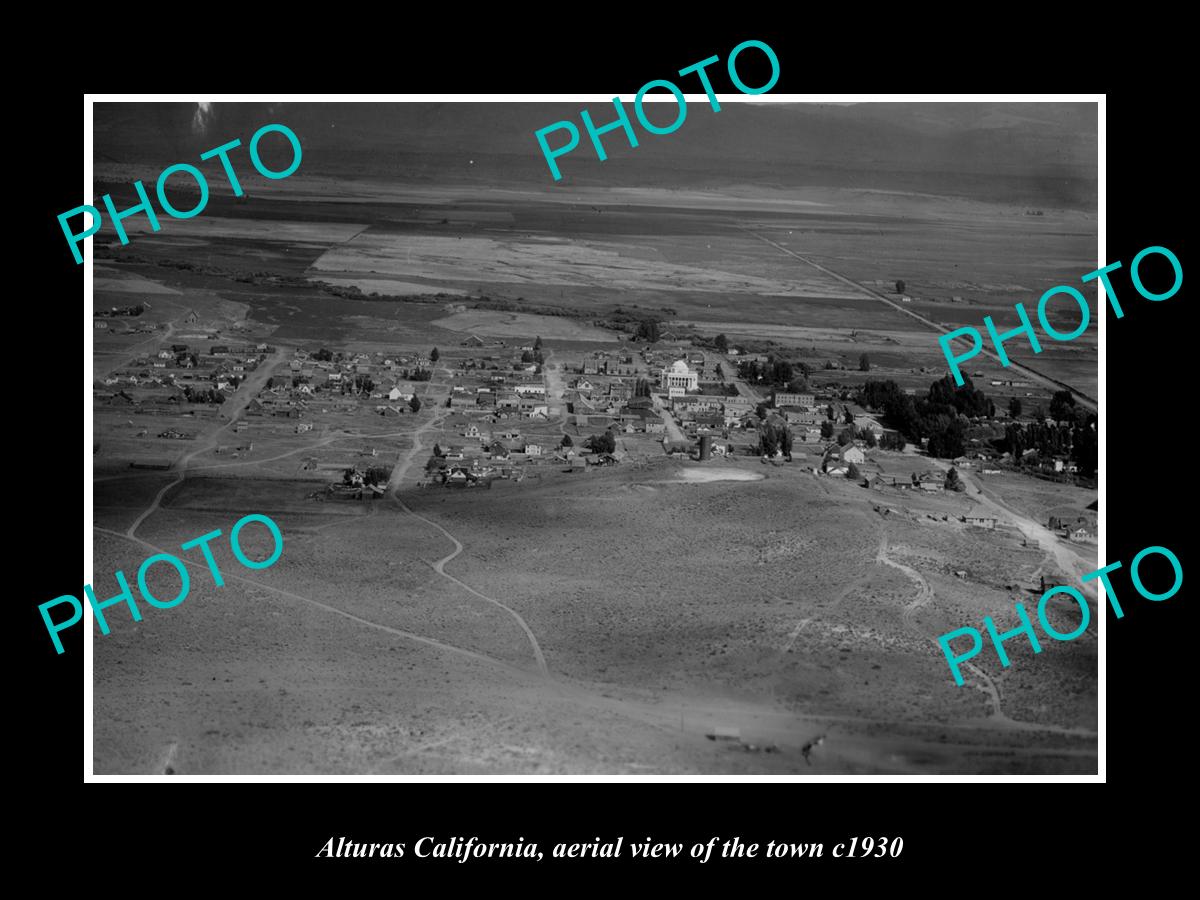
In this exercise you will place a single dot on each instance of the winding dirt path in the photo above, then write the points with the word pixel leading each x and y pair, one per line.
pixel 394 483
pixel 925 596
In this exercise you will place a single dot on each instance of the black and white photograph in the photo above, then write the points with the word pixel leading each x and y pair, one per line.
pixel 473 437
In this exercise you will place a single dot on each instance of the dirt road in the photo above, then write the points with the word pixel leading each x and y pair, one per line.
pixel 246 392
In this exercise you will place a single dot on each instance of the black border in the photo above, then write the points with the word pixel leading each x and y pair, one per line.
pixel 966 830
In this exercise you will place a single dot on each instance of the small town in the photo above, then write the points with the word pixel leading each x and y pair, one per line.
pixel 509 412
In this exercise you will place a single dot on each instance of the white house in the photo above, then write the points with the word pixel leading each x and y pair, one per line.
pixel 852 454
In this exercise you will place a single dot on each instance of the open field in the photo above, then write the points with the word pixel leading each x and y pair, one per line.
pixel 705 603
pixel 521 325
pixel 704 262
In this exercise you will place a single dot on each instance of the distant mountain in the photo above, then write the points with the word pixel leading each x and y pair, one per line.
pixel 1037 153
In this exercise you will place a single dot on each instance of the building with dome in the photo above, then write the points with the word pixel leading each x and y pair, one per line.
pixel 678 379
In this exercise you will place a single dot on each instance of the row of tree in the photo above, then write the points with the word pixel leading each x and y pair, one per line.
pixel 773 438
pixel 203 395
pixel 936 416
pixel 776 372
pixel 1077 441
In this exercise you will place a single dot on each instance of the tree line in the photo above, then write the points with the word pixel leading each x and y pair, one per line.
pixel 938 416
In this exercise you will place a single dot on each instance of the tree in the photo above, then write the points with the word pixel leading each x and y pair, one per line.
pixel 826 430
pixel 602 443
pixel 785 442
pixel 864 363
pixel 946 436
pixel 1062 407
pixel 845 436
pixel 869 437
pixel 526 357
pixel 1014 407
pixel 761 410
pixel 377 475
pixel 768 439
pixel 537 343
pixel 953 482
pixel 892 440
pixel 899 287
pixel 437 450
pixel 720 373
pixel 323 355
pixel 721 342
pixel 852 472
pixel 647 330
pixel 434 355
pixel 414 403
pixel 566 441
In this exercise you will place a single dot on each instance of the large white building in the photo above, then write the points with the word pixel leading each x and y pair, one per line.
pixel 678 379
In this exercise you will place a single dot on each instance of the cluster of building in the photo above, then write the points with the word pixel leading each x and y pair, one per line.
pixel 165 380
pixel 487 454
pixel 501 386
pixel 337 382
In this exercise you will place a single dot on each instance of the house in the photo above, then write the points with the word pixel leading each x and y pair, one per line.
pixel 988 522
pixel 870 424
pixel 473 341
pixel 783 399
pixel 852 454
pixel 1082 534
pixel 191 318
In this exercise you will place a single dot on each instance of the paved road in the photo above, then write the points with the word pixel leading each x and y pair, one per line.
pixel 1081 398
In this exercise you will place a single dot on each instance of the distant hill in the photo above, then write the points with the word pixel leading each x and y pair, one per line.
pixel 1033 153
